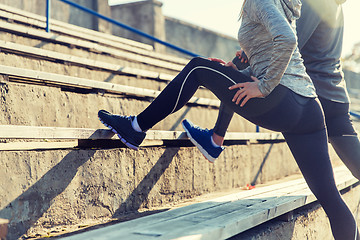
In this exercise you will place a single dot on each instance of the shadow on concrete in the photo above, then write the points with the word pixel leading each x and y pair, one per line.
pixel 182 116
pixel 253 182
pixel 30 206
pixel 41 45
pixel 35 201
pixel 110 77
pixel 141 192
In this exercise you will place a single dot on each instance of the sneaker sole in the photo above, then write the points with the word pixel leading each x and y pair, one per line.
pixel 123 140
pixel 202 150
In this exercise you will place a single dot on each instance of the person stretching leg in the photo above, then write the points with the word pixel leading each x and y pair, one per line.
pixel 281 98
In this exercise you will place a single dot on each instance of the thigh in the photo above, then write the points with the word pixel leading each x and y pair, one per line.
pixel 294 114
pixel 218 78
pixel 337 118
pixel 282 110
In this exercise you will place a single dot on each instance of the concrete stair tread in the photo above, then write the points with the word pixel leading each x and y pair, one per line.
pixel 29 76
pixel 86 45
pixel 93 64
pixel 42 138
pixel 40 21
pixel 36 132
pixel 219 218
pixel 86 35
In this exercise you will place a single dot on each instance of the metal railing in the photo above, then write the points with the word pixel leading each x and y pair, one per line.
pixel 117 23
pixel 48 14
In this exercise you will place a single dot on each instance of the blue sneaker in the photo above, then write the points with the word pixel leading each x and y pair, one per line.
pixel 201 138
pixel 121 125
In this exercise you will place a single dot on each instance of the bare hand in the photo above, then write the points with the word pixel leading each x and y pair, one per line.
pixel 231 64
pixel 217 60
pixel 247 91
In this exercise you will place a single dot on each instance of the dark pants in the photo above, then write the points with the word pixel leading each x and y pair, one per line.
pixel 300 119
pixel 342 134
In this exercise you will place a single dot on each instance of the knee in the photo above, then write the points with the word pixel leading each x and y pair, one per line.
pixel 196 61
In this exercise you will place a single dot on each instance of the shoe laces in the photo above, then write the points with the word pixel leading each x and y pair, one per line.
pixel 205 130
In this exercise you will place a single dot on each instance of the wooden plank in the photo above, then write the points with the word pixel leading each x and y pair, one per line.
pixel 31 132
pixel 24 146
pixel 235 222
pixel 253 136
pixel 62 80
pixel 3 228
pixel 221 226
pixel 34 132
pixel 213 219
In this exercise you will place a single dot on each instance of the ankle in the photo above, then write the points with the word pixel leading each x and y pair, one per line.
pixel 217 140
pixel 135 125
pixel 214 143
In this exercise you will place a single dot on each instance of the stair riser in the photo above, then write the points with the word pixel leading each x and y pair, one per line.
pixel 69 187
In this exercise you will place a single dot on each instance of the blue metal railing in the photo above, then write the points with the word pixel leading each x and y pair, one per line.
pixel 118 24
pixel 355 114
pixel 48 11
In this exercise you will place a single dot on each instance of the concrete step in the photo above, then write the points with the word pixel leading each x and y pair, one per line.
pixel 86 137
pixel 49 188
pixel 28 18
pixel 67 41
pixel 56 100
pixel 49 61
pixel 64 44
pixel 52 183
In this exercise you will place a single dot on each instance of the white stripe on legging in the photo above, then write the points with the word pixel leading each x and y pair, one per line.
pixel 182 85
pixel 356 231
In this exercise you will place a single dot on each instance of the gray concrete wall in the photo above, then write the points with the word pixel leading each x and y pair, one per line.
pixel 147 16
pixel 200 40
pixel 352 79
pixel 63 12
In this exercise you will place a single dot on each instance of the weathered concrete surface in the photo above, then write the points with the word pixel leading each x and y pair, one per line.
pixel 45 189
pixel 145 16
pixel 63 12
pixel 24 104
pixel 9 59
pixel 81 52
pixel 309 222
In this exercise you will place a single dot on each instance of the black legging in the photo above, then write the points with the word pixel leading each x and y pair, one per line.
pixel 300 119
pixel 342 134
